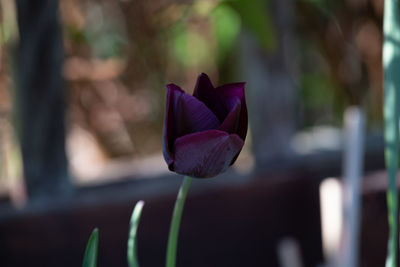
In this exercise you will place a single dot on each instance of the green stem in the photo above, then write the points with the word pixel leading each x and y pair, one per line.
pixel 175 222
pixel 391 64
pixel 392 200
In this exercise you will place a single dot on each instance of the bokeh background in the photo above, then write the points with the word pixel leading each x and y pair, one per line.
pixel 82 92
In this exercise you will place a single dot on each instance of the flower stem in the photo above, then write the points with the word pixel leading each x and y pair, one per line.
pixel 175 222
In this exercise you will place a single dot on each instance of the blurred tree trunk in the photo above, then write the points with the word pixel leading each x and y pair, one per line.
pixel 39 98
pixel 271 91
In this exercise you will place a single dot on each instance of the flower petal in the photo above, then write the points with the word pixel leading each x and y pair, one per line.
pixel 206 93
pixel 193 116
pixel 205 154
pixel 231 122
pixel 173 94
pixel 230 94
pixel 222 100
pixel 184 115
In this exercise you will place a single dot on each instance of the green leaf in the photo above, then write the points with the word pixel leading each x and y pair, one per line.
pixel 391 65
pixel 132 244
pixel 256 18
pixel 90 259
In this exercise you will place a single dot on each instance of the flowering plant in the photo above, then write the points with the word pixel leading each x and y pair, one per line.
pixel 204 133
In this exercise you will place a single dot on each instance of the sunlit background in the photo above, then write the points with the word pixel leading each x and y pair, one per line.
pixel 120 54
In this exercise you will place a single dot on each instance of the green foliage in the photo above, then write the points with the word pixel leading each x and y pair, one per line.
pixel 255 17
pixel 325 6
pixel 227 27
pixel 103 31
pixel 132 244
pixel 318 90
pixel 90 258
pixel 320 4
pixel 320 98
pixel 76 35
pixel 105 43
pixel 189 47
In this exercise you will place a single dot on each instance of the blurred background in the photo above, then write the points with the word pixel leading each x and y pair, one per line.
pixel 82 93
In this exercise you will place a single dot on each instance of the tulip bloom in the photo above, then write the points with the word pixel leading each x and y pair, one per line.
pixel 203 134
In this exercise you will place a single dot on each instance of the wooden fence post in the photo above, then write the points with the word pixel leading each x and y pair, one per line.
pixel 39 98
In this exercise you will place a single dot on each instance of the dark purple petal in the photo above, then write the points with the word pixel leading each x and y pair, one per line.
pixel 193 116
pixel 206 93
pixel 173 94
pixel 231 122
pixel 184 115
pixel 205 154
pixel 230 94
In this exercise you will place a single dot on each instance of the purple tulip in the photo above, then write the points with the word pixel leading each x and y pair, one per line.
pixel 203 134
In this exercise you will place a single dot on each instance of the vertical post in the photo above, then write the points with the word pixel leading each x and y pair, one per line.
pixel 354 135
pixel 271 93
pixel 39 98
pixel 331 196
